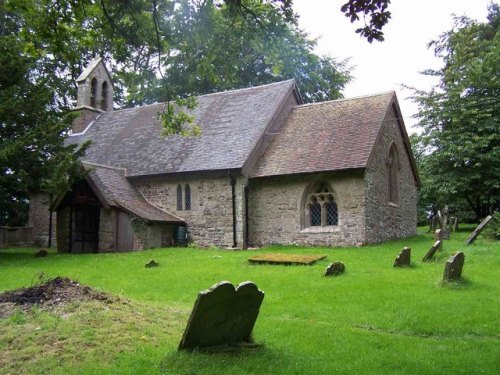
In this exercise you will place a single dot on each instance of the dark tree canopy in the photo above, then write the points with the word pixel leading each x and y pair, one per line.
pixel 460 117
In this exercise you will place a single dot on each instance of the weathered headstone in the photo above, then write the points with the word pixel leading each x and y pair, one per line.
pixel 452 224
pixel 478 230
pixel 432 224
pixel 151 263
pixel 454 266
pixel 335 269
pixel 435 247
pixel 438 235
pixel 223 316
pixel 403 259
pixel 455 224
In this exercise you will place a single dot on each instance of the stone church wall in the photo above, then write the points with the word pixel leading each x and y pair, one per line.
pixel 210 219
pixel 39 217
pixel 276 212
pixel 384 220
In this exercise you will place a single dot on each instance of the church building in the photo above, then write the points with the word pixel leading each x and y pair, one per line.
pixel 266 169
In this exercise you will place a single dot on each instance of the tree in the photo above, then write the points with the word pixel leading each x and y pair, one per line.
pixel 212 50
pixel 45 44
pixel 32 151
pixel 460 117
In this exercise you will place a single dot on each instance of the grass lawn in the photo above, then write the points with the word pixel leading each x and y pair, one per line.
pixel 373 319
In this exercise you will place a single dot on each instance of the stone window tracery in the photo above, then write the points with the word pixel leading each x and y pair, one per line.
pixel 393 174
pixel 320 208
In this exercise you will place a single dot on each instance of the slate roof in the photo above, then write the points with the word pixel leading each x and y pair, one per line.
pixel 114 188
pixel 327 136
pixel 231 123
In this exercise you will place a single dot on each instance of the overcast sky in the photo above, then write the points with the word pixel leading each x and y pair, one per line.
pixel 384 66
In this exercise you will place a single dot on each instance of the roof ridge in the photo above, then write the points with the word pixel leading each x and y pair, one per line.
pixel 346 99
pixel 247 88
pixel 208 95
pixel 105 166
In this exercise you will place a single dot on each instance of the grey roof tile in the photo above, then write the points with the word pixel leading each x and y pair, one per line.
pixel 231 122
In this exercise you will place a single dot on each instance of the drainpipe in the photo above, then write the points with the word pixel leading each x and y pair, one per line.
pixel 247 221
pixel 49 244
pixel 233 193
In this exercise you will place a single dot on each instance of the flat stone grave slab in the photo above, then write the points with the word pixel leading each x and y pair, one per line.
pixel 403 259
pixel 286 259
pixel 454 266
pixel 430 254
pixel 223 316
pixel 335 269
pixel 478 230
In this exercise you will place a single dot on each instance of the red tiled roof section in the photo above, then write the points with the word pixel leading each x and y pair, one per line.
pixel 328 136
pixel 117 191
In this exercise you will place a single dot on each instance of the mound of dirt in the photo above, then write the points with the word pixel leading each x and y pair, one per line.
pixel 57 291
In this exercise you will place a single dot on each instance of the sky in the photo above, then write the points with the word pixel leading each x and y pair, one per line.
pixel 386 66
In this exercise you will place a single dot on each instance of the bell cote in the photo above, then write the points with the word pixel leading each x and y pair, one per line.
pixel 95 88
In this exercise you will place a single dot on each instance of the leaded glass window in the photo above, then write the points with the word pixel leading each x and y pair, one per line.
pixel 315 213
pixel 179 198
pixel 187 196
pixel 332 216
pixel 321 209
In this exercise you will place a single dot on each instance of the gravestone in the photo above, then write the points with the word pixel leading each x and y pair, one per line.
pixel 438 235
pixel 454 266
pixel 435 247
pixel 455 224
pixel 403 259
pixel 223 316
pixel 151 263
pixel 335 269
pixel 478 230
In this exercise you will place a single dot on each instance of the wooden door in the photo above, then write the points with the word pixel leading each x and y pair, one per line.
pixel 125 232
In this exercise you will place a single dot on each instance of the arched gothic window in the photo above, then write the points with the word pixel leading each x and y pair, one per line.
pixel 104 93
pixel 93 92
pixel 320 208
pixel 393 174
pixel 179 198
pixel 187 198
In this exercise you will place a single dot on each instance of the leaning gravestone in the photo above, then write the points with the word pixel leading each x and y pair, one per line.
pixel 335 269
pixel 223 316
pixel 435 247
pixel 403 258
pixel 454 266
pixel 438 235
pixel 478 230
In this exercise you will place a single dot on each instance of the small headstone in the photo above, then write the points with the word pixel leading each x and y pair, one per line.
pixel 454 266
pixel 455 224
pixel 435 247
pixel 403 259
pixel 478 230
pixel 335 269
pixel 41 253
pixel 152 263
pixel 223 316
pixel 438 235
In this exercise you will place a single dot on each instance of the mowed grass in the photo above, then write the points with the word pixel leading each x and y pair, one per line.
pixel 373 319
